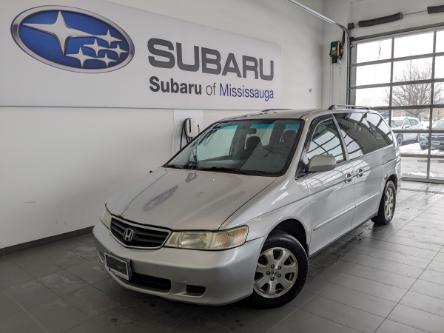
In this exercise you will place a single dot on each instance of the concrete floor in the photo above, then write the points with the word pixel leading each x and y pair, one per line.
pixel 376 279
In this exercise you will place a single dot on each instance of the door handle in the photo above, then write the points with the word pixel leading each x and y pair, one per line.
pixel 360 172
pixel 348 177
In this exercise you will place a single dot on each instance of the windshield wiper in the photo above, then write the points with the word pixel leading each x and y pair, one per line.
pixel 232 170
pixel 188 165
pixel 174 166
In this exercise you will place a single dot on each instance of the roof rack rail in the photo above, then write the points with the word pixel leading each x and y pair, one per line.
pixel 276 109
pixel 344 106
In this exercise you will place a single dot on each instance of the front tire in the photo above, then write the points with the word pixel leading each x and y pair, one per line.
pixel 400 139
pixel 387 205
pixel 281 271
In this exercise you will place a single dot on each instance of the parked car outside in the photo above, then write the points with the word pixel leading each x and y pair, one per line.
pixel 239 211
pixel 437 141
pixel 406 123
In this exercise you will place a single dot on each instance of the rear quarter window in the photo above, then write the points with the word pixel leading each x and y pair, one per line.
pixel 363 132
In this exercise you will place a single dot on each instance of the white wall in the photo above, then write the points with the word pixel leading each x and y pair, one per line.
pixel 58 165
pixel 346 11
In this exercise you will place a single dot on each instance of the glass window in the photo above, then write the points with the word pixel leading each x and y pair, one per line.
pixel 440 41
pixel 359 135
pixel 220 144
pixel 439 67
pixel 256 147
pixel 326 141
pixel 373 74
pixel 438 93
pixel 412 94
pixel 437 168
pixel 382 132
pixel 414 167
pixel 413 143
pixel 412 70
pixel 376 50
pixel 438 114
pixel 411 119
pixel 438 125
pixel 261 130
pixel 373 96
pixel 438 138
pixel 414 45
pixel 413 122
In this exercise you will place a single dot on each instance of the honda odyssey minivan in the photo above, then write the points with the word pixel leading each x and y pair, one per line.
pixel 238 212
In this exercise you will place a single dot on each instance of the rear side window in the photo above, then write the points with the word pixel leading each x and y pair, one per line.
pixel 382 132
pixel 326 141
pixel 363 132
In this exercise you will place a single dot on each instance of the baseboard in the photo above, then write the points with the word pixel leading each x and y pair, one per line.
pixel 43 241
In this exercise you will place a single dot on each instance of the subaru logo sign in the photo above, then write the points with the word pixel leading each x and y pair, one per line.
pixel 72 39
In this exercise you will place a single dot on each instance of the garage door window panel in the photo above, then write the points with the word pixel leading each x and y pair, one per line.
pixel 411 94
pixel 412 70
pixel 379 96
pixel 375 50
pixel 373 74
pixel 412 45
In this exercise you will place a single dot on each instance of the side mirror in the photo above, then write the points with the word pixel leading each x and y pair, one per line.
pixel 320 163
pixel 406 126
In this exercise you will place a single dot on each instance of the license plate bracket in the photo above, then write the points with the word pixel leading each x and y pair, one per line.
pixel 117 266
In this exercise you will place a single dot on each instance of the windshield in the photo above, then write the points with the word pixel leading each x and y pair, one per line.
pixel 258 147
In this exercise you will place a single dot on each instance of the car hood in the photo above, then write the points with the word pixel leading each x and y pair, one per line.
pixel 187 199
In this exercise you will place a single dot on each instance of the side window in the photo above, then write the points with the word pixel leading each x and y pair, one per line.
pixel 348 130
pixel 326 141
pixel 381 130
pixel 360 135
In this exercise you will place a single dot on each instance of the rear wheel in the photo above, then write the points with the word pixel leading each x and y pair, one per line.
pixel 281 271
pixel 400 139
pixel 387 205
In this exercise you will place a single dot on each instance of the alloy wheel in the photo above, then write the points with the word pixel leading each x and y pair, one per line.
pixel 276 272
pixel 389 203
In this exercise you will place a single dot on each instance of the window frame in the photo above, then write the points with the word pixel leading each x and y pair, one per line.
pixel 315 122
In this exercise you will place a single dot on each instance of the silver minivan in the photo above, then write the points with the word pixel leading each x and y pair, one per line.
pixel 239 210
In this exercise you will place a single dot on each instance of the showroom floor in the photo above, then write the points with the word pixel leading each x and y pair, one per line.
pixel 384 279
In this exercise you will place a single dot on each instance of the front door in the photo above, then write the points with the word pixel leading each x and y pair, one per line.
pixel 332 201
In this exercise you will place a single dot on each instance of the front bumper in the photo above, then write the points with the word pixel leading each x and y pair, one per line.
pixel 223 276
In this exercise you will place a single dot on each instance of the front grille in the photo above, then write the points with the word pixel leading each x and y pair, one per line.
pixel 141 236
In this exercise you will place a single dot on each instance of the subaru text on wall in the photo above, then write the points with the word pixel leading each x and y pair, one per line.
pixel 238 211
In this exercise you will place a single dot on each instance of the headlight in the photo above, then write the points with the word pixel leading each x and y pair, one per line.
pixel 208 240
pixel 106 218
